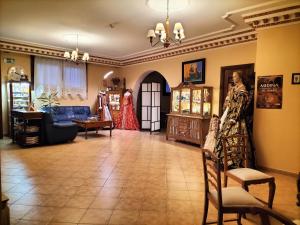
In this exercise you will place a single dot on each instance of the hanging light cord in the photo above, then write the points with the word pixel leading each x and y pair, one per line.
pixel 168 8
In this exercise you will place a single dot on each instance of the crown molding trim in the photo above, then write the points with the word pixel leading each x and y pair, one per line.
pixel 208 43
pixel 39 50
pixel 260 19
pixel 273 17
pixel 217 42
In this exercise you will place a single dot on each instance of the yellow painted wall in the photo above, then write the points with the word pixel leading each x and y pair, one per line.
pixel 171 68
pixel 277 131
pixel 95 75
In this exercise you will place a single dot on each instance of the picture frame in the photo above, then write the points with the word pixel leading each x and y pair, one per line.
pixel 296 78
pixel 269 92
pixel 194 71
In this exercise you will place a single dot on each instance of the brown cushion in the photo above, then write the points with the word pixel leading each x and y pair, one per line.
pixel 236 196
pixel 246 174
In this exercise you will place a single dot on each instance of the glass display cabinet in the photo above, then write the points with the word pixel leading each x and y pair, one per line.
pixel 191 109
pixel 115 99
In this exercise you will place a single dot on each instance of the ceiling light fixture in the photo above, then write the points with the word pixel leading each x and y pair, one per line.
pixel 74 55
pixel 164 32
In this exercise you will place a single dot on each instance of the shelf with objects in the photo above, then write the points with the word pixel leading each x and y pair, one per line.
pixel 115 98
pixel 191 108
pixel 26 127
pixel 19 97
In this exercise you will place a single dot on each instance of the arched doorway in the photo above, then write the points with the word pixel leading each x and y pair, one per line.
pixel 155 77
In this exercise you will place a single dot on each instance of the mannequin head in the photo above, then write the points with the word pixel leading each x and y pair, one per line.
pixel 237 77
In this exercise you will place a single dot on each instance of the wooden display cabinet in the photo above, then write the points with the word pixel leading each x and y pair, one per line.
pixel 115 99
pixel 190 113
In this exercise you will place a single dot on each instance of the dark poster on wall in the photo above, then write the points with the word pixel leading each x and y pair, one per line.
pixel 269 92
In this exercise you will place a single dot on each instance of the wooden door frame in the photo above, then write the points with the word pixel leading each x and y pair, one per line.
pixel 222 74
pixel 1 121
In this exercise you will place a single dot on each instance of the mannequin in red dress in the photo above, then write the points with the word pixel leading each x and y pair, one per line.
pixel 127 118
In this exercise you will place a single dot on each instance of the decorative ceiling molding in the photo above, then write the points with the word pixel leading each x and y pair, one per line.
pixel 38 50
pixel 259 19
pixel 208 43
pixel 217 42
pixel 274 16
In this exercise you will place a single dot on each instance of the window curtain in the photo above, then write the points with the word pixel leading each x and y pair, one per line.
pixel 74 79
pixel 47 76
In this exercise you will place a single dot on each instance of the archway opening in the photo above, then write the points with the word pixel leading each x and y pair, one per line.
pixel 165 96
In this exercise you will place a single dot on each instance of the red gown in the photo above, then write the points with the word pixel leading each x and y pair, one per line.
pixel 127 118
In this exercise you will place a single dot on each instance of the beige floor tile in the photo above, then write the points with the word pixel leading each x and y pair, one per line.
pixel 31 222
pixel 103 202
pixel 96 216
pixel 79 201
pixel 68 215
pixel 152 218
pixel 178 195
pixel 155 204
pixel 110 191
pixel 124 217
pixel 129 204
pixel 19 211
pixel 179 206
pixel 40 213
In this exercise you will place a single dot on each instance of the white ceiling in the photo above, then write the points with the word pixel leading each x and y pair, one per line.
pixel 51 22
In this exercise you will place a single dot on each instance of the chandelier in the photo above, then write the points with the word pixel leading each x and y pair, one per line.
pixel 74 55
pixel 164 32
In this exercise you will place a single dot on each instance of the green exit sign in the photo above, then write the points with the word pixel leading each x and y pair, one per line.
pixel 9 61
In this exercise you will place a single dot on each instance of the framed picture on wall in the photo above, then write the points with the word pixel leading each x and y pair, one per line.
pixel 194 71
pixel 296 78
pixel 269 92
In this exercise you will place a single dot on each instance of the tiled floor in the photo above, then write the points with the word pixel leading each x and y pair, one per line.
pixel 131 178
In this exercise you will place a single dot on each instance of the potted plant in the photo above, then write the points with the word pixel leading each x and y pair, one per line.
pixel 48 100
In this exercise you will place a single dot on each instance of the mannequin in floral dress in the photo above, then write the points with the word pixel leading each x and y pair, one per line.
pixel 234 121
pixel 127 118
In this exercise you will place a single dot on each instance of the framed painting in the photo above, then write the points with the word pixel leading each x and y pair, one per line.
pixel 194 71
pixel 269 92
pixel 296 78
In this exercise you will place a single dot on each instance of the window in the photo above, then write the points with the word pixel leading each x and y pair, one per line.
pixel 65 78
pixel 74 79
pixel 47 75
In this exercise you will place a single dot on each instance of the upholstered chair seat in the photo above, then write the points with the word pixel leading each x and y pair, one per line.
pixel 247 174
pixel 235 197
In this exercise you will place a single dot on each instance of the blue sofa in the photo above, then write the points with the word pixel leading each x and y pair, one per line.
pixel 55 133
pixel 58 125
pixel 65 114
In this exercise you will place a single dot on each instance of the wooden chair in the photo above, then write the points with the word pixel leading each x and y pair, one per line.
pixel 235 150
pixel 266 213
pixel 227 199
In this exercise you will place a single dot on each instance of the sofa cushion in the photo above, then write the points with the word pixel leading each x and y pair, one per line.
pixel 63 114
pixel 64 124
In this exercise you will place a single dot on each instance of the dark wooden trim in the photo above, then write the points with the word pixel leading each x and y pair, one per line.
pixel 32 58
pixel 222 74
pixel 1 121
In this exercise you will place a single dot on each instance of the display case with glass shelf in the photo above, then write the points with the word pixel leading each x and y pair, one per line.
pixel 115 100
pixel 19 97
pixel 190 113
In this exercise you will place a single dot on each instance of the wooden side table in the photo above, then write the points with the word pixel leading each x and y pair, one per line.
pixel 87 124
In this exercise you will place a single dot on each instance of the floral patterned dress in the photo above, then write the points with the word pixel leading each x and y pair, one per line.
pixel 234 122
pixel 127 118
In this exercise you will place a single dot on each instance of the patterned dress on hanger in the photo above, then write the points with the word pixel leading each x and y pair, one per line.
pixel 236 112
pixel 210 141
pixel 127 118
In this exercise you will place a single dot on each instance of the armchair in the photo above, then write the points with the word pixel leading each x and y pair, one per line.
pixel 58 132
